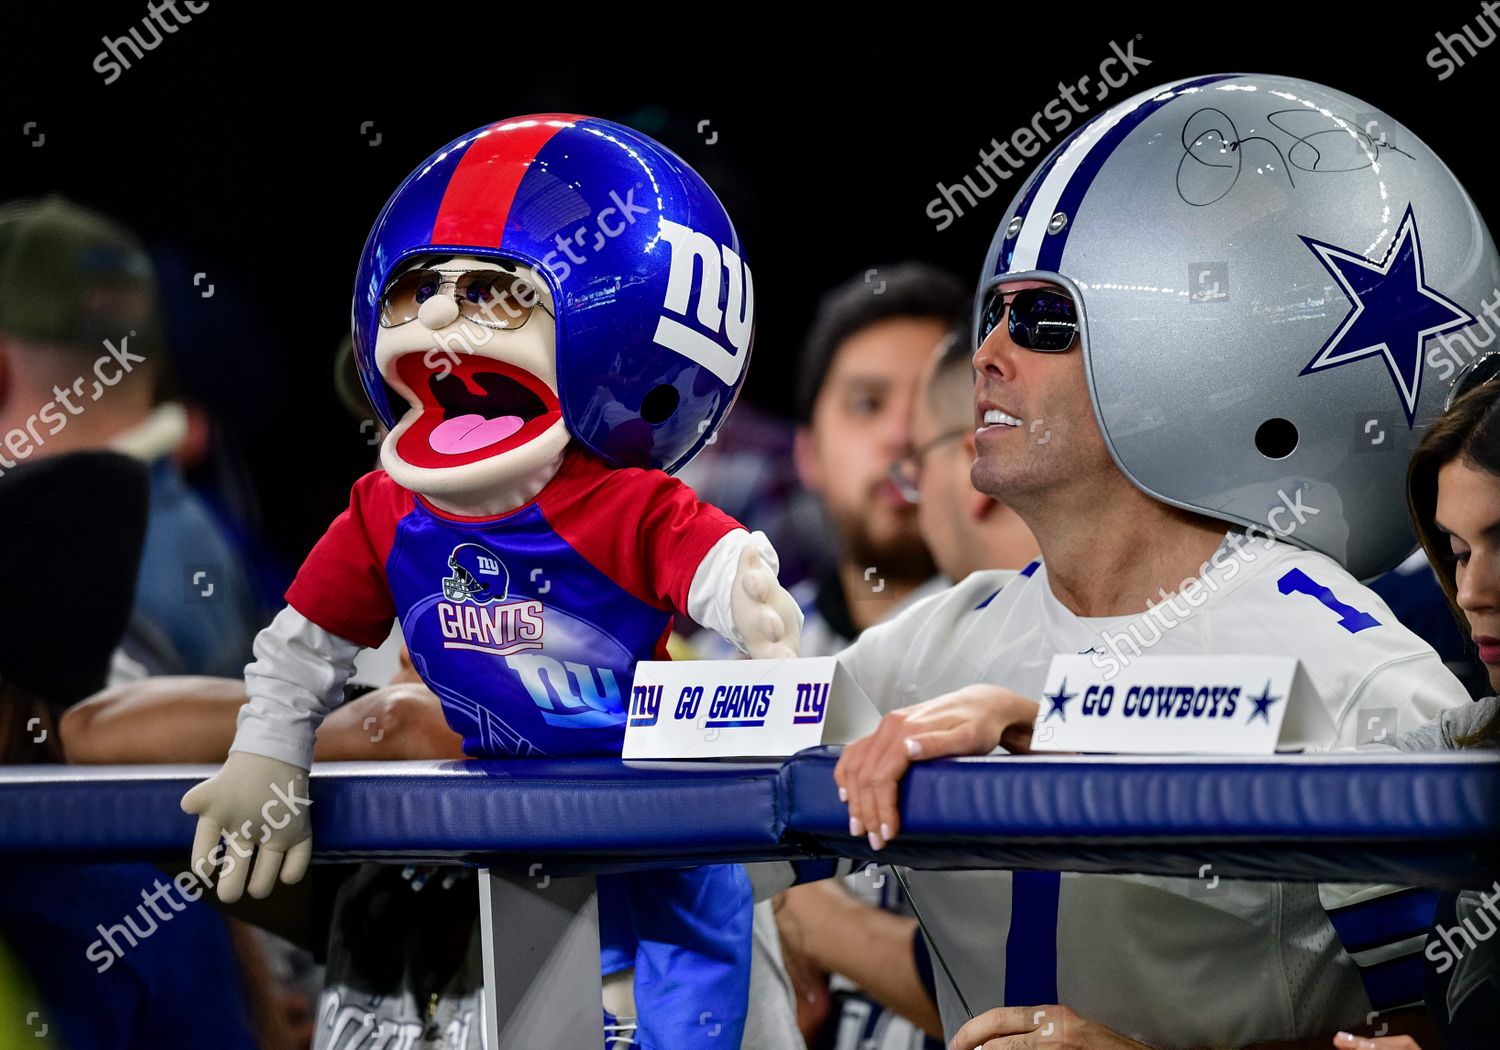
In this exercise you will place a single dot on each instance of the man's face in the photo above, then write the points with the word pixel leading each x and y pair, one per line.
pixel 943 486
pixel 483 399
pixel 860 423
pixel 1045 434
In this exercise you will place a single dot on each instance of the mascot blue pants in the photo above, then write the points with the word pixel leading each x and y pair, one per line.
pixel 687 932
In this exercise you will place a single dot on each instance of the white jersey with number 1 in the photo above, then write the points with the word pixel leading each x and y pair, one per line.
pixel 1174 961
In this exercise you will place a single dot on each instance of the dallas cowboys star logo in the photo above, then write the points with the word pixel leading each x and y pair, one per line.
pixel 1262 704
pixel 1059 698
pixel 1395 311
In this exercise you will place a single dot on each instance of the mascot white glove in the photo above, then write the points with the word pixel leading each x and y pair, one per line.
pixel 763 612
pixel 258 806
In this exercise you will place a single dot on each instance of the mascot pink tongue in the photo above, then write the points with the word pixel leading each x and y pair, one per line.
pixel 466 433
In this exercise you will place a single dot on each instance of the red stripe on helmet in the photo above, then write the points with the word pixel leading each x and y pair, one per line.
pixel 484 182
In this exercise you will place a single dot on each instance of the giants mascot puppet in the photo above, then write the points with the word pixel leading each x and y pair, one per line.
pixel 563 305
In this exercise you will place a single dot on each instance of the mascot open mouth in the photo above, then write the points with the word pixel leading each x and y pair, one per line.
pixel 471 409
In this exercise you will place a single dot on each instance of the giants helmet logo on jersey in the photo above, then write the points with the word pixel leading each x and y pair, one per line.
pixel 478 576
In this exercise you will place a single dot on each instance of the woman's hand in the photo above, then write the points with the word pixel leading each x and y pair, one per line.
pixel 973 720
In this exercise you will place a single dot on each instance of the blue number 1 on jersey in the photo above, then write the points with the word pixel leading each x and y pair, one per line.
pixel 1295 581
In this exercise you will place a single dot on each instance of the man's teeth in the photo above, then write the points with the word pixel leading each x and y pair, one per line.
pixel 994 415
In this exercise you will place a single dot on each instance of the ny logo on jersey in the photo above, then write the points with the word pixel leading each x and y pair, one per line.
pixel 700 338
pixel 569 694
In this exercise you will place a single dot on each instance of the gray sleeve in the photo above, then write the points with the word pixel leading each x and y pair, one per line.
pixel 297 678
pixel 1442 732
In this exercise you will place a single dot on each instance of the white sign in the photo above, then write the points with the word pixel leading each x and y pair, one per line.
pixel 1207 705
pixel 743 708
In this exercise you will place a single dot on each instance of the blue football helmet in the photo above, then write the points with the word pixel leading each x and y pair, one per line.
pixel 655 306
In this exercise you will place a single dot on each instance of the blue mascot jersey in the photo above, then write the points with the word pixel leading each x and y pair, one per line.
pixel 527 625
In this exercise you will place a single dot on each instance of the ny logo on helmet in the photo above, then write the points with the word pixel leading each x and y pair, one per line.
pixel 703 342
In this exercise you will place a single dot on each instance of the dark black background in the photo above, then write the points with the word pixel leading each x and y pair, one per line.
pixel 235 149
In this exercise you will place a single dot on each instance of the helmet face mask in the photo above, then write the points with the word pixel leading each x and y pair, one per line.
pixel 1261 283
pixel 653 302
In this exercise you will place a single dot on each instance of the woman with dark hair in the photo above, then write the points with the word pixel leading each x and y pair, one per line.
pixel 1453 493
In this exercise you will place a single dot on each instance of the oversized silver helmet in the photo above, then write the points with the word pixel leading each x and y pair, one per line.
pixel 1277 285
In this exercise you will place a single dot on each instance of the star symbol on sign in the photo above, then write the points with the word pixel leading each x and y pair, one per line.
pixel 1059 698
pixel 1262 704
pixel 1394 313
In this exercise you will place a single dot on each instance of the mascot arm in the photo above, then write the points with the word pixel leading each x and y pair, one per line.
pixel 735 594
pixel 257 800
pixel 297 678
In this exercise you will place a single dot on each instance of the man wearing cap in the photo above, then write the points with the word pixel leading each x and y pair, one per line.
pixel 82 345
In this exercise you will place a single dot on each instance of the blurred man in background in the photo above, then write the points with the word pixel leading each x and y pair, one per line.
pixel 81 354
pixel 859 375
pixel 857 385
pixel 963 528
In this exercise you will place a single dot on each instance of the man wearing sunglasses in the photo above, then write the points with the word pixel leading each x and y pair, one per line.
pixel 1201 493
pixel 1120 550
